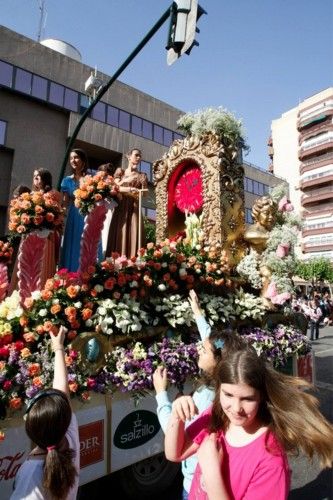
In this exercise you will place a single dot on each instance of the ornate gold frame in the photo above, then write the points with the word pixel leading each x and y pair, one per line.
pixel 223 191
pixel 80 344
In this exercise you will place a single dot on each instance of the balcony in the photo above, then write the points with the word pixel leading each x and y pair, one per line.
pixel 317 229
pixel 316 146
pixel 316 162
pixel 316 179
pixel 317 195
pixel 307 116
pixel 315 129
pixel 317 247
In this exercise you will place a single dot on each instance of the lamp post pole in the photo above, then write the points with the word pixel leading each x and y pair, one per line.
pixel 106 87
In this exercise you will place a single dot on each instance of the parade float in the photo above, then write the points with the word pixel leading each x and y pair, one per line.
pixel 127 315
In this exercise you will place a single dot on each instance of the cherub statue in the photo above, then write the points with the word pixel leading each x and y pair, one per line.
pixel 264 215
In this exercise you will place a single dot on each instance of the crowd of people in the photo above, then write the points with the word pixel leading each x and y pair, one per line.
pixel 318 308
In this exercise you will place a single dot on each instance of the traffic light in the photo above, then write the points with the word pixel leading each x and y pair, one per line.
pixel 183 27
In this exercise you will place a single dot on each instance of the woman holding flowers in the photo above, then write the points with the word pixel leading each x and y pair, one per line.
pixel 124 228
pixel 70 250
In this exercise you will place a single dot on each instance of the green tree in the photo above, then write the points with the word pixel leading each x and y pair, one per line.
pixel 315 270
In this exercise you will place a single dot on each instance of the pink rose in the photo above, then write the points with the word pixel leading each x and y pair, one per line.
pixel 285 205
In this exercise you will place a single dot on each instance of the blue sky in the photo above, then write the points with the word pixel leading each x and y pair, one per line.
pixel 257 58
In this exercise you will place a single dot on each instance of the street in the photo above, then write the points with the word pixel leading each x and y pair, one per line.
pixel 308 482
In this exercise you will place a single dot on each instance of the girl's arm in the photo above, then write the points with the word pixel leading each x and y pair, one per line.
pixel 210 458
pixel 60 380
pixel 203 327
pixel 177 444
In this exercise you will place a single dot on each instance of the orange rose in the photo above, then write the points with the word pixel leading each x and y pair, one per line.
pixel 15 403
pixel 33 369
pixel 37 381
pixel 49 285
pixel 30 337
pixel 48 326
pixel 55 308
pixel 86 313
pixel 23 321
pixel 39 329
pixel 39 209
pixel 21 229
pixel 73 386
pixel 25 353
pixel 72 291
pixel 70 311
pixel 46 294
pixel 38 220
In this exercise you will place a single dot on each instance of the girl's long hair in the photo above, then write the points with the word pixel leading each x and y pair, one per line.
pixel 83 157
pixel 290 413
pixel 221 341
pixel 46 178
pixel 46 425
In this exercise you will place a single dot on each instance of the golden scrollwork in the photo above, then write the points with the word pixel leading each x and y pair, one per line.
pixel 223 193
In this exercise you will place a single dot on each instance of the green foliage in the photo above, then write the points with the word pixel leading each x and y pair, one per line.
pixel 314 270
pixel 150 230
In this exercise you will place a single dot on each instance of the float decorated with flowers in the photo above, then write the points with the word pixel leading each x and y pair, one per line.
pixel 126 315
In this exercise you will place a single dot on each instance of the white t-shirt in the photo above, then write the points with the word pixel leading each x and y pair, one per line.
pixel 28 481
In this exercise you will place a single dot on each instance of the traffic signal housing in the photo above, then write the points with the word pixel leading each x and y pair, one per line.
pixel 183 28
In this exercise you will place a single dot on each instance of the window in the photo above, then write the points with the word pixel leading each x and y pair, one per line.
pixel 98 113
pixel 136 125
pixel 56 94
pixel 151 214
pixel 23 81
pixel 145 167
pixel 249 185
pixel 112 116
pixel 39 87
pixel 167 137
pixel 147 129
pixel 177 136
pixel 3 129
pixel 84 103
pixel 248 216
pixel 124 120
pixel 71 99
pixel 158 134
pixel 6 74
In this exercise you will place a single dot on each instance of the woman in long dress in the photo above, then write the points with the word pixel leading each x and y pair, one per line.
pixel 42 182
pixel 123 233
pixel 70 250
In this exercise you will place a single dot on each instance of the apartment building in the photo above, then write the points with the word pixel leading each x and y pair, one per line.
pixel 42 95
pixel 301 149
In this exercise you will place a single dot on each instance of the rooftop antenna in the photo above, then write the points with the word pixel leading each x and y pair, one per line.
pixel 42 18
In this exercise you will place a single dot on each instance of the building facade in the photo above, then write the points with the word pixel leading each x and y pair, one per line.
pixel 41 99
pixel 301 148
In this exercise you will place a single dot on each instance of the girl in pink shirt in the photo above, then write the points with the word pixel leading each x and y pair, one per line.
pixel 241 442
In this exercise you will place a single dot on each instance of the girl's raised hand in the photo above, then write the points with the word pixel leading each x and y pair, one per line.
pixel 160 379
pixel 194 303
pixel 57 340
pixel 184 408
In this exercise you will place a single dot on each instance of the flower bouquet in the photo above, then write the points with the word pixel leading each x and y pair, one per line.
pixel 34 211
pixel 94 189
pixel 6 252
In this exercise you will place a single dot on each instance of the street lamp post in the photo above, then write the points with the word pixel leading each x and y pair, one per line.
pixel 106 87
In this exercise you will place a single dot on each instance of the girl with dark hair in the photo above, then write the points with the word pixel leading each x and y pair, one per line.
pixel 51 469
pixel 70 250
pixel 241 442
pixel 42 180
pixel 210 349
pixel 124 227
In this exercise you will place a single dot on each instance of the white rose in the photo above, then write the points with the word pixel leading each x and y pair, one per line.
pixel 36 295
pixel 78 305
pixel 98 288
pixel 161 287
pixel 43 312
